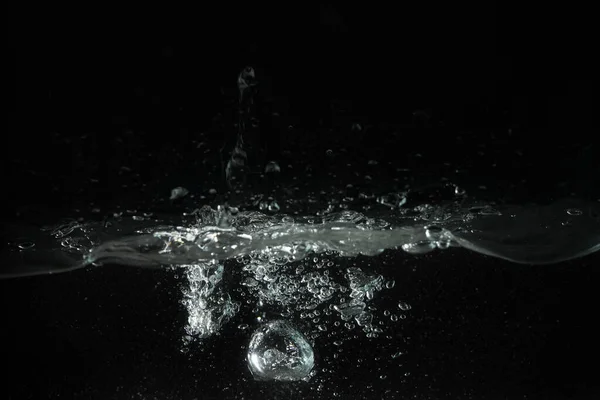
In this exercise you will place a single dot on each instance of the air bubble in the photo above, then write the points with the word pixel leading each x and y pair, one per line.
pixel 278 351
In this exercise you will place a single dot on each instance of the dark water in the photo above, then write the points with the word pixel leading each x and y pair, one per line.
pixel 114 112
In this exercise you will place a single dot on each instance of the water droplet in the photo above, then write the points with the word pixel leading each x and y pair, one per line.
pixel 272 167
pixel 26 245
pixel 278 351
pixel 178 193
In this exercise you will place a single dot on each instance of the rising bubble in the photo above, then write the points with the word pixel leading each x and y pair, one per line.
pixel 278 351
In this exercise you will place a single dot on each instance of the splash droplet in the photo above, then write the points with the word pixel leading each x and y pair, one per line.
pixel 178 193
pixel 26 245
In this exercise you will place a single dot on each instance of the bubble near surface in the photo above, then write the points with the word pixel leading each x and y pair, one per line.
pixel 278 351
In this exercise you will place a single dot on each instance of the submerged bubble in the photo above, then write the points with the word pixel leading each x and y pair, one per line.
pixel 278 351
pixel 348 310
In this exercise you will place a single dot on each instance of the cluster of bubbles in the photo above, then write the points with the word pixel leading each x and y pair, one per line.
pixel 208 304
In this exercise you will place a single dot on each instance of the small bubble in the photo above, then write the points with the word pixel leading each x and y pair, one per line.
pixel 404 306
pixel 393 318
pixel 574 211
pixel 390 284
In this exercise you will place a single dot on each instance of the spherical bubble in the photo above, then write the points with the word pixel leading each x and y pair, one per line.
pixel 278 351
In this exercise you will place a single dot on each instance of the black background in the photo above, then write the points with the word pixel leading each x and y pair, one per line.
pixel 102 71
pixel 495 330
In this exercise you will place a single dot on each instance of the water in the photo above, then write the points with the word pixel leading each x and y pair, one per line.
pixel 287 256
pixel 521 234
pixel 292 262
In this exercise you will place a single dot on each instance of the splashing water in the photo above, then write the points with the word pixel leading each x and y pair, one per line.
pixel 235 170
pixel 517 234
pixel 270 250
pixel 290 261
